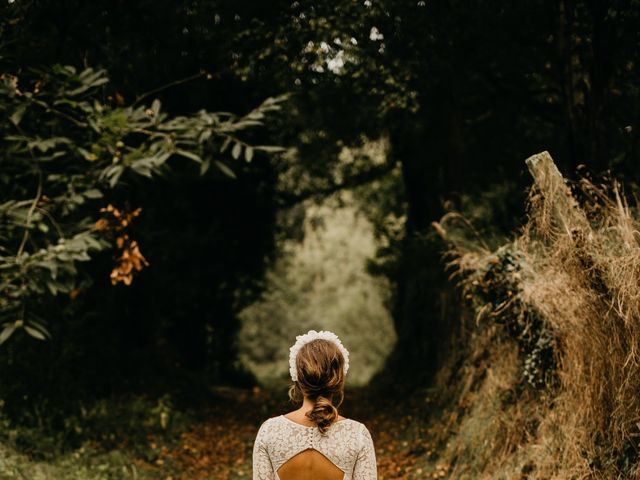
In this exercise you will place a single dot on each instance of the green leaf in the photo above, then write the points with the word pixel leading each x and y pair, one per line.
pixel 143 166
pixel 53 156
pixel 89 79
pixel 16 117
pixel 225 144
pixel 237 150
pixel 51 266
pixel 204 166
pixel 91 157
pixel 34 332
pixel 189 155
pixel 7 331
pixel 224 169
pixel 204 136
pixel 256 115
pixel 113 173
pixel 269 148
pixel 52 285
pixel 248 154
pixel 78 199
pixel 93 123
pixel 155 106
pixel 93 193
pixel 48 143
pixel 38 323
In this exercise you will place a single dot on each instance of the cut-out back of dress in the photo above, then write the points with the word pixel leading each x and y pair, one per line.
pixel 286 450
pixel 309 464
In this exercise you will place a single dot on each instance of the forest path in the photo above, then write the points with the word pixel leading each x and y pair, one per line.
pixel 219 446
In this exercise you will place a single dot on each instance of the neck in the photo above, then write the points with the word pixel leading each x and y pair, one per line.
pixel 307 405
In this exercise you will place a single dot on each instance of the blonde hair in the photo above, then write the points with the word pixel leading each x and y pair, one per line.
pixel 320 368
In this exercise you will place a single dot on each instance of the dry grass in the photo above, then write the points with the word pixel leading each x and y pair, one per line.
pixel 578 272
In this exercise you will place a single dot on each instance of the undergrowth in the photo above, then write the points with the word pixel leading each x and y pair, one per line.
pixel 123 438
pixel 546 382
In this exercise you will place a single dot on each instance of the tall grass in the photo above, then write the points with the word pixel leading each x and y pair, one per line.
pixel 568 285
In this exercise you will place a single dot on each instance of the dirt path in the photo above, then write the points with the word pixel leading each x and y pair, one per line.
pixel 220 445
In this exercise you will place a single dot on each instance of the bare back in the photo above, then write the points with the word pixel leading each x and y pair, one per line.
pixel 309 465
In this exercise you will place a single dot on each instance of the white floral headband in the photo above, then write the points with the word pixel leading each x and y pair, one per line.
pixel 311 335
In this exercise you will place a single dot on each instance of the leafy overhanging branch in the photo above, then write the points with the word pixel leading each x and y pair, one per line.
pixel 63 149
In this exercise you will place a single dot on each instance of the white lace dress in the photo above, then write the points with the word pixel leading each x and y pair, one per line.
pixel 347 444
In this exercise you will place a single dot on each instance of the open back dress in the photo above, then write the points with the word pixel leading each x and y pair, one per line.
pixel 347 445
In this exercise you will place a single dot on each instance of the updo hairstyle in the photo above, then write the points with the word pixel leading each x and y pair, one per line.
pixel 320 368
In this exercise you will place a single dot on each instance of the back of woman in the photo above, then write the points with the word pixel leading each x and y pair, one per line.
pixel 315 442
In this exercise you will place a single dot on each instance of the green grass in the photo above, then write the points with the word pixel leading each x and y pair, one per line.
pixel 82 464
pixel 123 439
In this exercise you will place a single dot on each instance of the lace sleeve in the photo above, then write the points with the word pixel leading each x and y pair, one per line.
pixel 365 467
pixel 262 468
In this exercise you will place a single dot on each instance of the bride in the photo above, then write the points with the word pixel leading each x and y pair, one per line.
pixel 315 442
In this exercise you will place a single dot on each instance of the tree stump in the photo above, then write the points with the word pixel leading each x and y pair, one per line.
pixel 558 209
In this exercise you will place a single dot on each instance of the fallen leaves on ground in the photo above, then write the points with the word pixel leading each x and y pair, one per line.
pixel 220 445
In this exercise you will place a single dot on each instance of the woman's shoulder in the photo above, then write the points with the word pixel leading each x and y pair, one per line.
pixel 267 430
pixel 355 424
pixel 357 432
pixel 269 422
pixel 360 427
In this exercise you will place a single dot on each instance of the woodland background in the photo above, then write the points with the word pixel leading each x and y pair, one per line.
pixel 185 186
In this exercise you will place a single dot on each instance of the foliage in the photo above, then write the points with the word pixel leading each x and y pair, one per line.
pixel 67 149
pixel 110 438
pixel 462 90
pixel 493 288
pixel 443 81
pixel 321 282
pixel 565 293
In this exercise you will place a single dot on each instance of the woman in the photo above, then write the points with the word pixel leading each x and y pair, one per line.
pixel 315 442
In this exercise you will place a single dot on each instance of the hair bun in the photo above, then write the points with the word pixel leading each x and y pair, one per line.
pixel 323 414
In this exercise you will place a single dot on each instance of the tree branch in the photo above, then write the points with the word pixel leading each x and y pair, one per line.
pixel 32 209
pixel 168 85
pixel 286 200
pixel 60 113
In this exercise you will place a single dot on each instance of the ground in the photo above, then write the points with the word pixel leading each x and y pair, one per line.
pixel 215 440
pixel 220 447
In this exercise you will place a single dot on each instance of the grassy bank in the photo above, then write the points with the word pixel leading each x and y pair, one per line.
pixel 544 381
